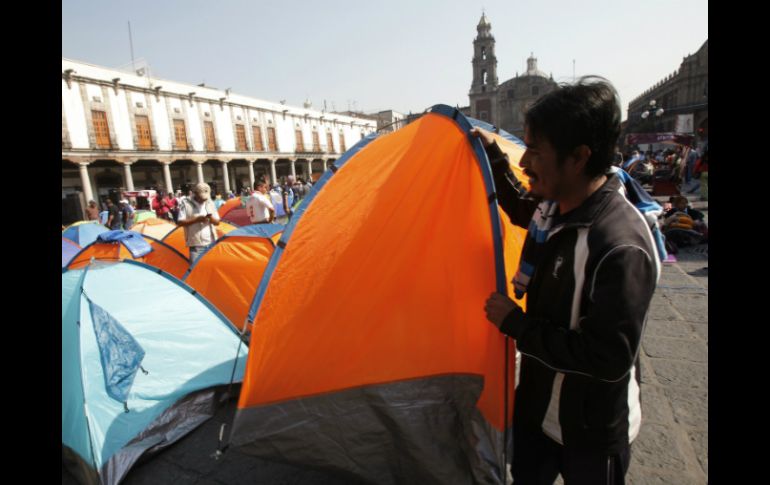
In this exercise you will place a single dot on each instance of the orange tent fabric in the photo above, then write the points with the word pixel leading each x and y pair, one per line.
pixel 154 227
pixel 175 238
pixel 379 292
pixel 228 273
pixel 162 256
pixel 234 203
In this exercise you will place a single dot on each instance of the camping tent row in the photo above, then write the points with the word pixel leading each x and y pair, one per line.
pixel 176 237
pixel 117 245
pixel 144 358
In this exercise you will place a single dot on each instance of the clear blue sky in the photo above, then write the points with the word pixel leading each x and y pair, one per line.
pixel 404 55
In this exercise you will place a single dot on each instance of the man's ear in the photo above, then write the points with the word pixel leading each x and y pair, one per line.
pixel 580 156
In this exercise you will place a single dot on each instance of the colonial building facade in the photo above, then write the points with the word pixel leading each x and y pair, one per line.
pixel 682 94
pixel 123 130
pixel 504 104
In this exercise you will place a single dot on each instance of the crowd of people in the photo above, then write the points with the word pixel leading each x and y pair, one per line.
pixel 687 166
pixel 193 208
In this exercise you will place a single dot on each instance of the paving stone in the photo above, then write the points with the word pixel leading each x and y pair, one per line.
pixel 692 350
pixel 668 328
pixel 656 448
pixel 638 475
pixel 663 312
pixel 690 406
pixel 700 443
pixel 695 306
pixel 685 375
pixel 702 331
pixel 655 407
pixel 648 374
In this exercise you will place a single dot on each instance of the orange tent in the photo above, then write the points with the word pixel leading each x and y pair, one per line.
pixel 151 251
pixel 175 238
pixel 154 227
pixel 370 352
pixel 234 212
pixel 228 273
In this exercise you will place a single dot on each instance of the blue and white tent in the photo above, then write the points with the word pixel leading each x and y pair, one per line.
pixel 144 359
pixel 84 234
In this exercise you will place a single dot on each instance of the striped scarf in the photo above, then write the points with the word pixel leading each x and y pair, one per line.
pixel 537 235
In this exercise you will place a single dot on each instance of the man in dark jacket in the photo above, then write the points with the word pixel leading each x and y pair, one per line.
pixel 589 269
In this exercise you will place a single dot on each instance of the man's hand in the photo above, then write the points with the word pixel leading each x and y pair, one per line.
pixel 498 307
pixel 486 137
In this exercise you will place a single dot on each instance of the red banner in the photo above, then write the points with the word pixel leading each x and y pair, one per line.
pixel 637 138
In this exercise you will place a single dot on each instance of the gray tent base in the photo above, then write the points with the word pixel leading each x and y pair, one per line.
pixel 177 421
pixel 425 431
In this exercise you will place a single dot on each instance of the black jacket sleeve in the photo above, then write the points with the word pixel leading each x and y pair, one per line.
pixel 509 189
pixel 606 342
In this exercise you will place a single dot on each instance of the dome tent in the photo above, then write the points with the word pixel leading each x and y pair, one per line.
pixel 68 251
pixel 228 272
pixel 119 244
pixel 176 238
pixel 388 368
pixel 85 233
pixel 137 377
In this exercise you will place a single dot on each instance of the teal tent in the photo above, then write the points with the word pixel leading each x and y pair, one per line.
pixel 144 360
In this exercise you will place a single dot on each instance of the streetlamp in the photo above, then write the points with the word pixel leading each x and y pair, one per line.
pixel 651 109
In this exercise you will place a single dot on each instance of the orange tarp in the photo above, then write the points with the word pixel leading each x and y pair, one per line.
pixel 385 276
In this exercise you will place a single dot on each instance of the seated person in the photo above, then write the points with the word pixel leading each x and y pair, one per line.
pixel 683 225
pixel 642 170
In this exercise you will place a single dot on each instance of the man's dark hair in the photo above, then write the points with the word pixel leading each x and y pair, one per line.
pixel 586 113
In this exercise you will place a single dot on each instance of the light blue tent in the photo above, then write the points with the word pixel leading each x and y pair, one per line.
pixel 68 251
pixel 84 234
pixel 143 360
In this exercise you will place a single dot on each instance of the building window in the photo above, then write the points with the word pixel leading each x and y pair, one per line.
pixel 300 141
pixel 535 90
pixel 101 129
pixel 484 53
pixel 329 143
pixel 511 93
pixel 256 132
pixel 211 144
pixel 180 135
pixel 484 77
pixel 240 135
pixel 143 132
pixel 271 141
pixel 316 142
pixel 342 143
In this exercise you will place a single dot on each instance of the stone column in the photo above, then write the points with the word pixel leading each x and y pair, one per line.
pixel 293 170
pixel 87 192
pixel 309 171
pixel 325 165
pixel 199 167
pixel 251 174
pixel 226 177
pixel 127 175
pixel 167 176
pixel 273 177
